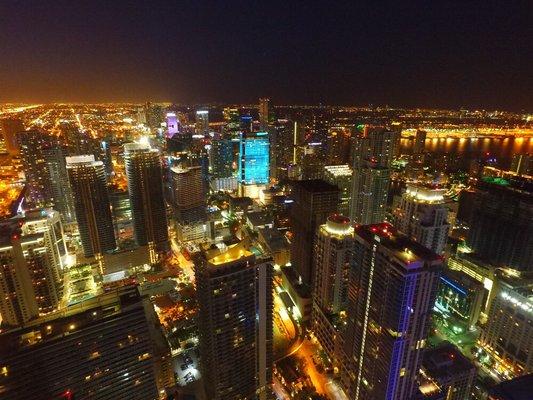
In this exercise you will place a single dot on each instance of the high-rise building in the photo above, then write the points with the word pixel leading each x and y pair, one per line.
pixel 422 215
pixel 501 228
pixel 10 127
pixel 108 347
pixel 30 262
pixel 265 113
pixel 392 289
pixel 507 337
pixel 254 162
pixel 32 146
pixel 202 122
pixel 234 291
pixel 247 124
pixel 446 370
pixel 60 191
pixel 341 175
pixel 189 202
pixel 145 187
pixel 79 142
pixel 338 145
pixel 281 143
pixel 514 389
pixel 91 201
pixel 172 124
pixel 372 153
pixel 332 253
pixel 221 158
pixel 314 201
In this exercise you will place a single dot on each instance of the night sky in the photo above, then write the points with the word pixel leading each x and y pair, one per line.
pixel 403 53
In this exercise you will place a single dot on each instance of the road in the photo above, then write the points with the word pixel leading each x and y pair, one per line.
pixel 280 392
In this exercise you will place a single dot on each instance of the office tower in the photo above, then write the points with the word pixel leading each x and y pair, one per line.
pixel 501 229
pixel 221 158
pixel 392 289
pixel 154 115
pixel 333 247
pixel 311 159
pixel 372 153
pixel 313 202
pixel 202 122
pixel 91 201
pixel 145 188
pixel 265 113
pixel 521 164
pixel 172 124
pixel 281 139
pixel 420 141
pixel 246 124
pixel 422 215
pixel 254 162
pixel 234 292
pixel 32 144
pixel 30 263
pixel 10 127
pixel 514 389
pixel 444 369
pixel 108 347
pixel 79 142
pixel 141 116
pixel 341 176
pixel 338 145
pixel 507 337
pixel 60 192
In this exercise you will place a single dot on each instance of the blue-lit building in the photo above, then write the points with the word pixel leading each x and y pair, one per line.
pixel 254 159
pixel 459 299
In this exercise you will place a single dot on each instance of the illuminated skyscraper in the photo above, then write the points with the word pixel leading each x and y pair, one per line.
pixel 392 290
pixel 234 291
pixel 91 200
pixel 145 187
pixel 172 124
pixel 341 175
pixel 221 158
pixel 202 122
pixel 10 127
pixel 372 153
pixel 247 123
pixel 254 159
pixel 281 144
pixel 420 141
pixel 314 201
pixel 338 145
pixel 333 247
pixel 30 266
pixel 422 215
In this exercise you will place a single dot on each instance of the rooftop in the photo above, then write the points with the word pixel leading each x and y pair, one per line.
pixel 515 389
pixel 444 361
pixel 405 249
pixel 315 186
pixel 339 170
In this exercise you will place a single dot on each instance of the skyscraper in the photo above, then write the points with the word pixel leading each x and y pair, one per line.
pixel 254 161
pixel 30 266
pixel 265 113
pixel 172 124
pixel 107 347
pixel 314 201
pixel 281 144
pixel 420 141
pixel 422 215
pixel 221 158
pixel 32 146
pixel 372 153
pixel 234 289
pixel 202 122
pixel 91 201
pixel 60 192
pixel 145 188
pixel 392 289
pixel 341 175
pixel 10 127
pixel 501 227
pixel 332 254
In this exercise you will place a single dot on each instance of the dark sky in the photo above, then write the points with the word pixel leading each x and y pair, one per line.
pixel 403 53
